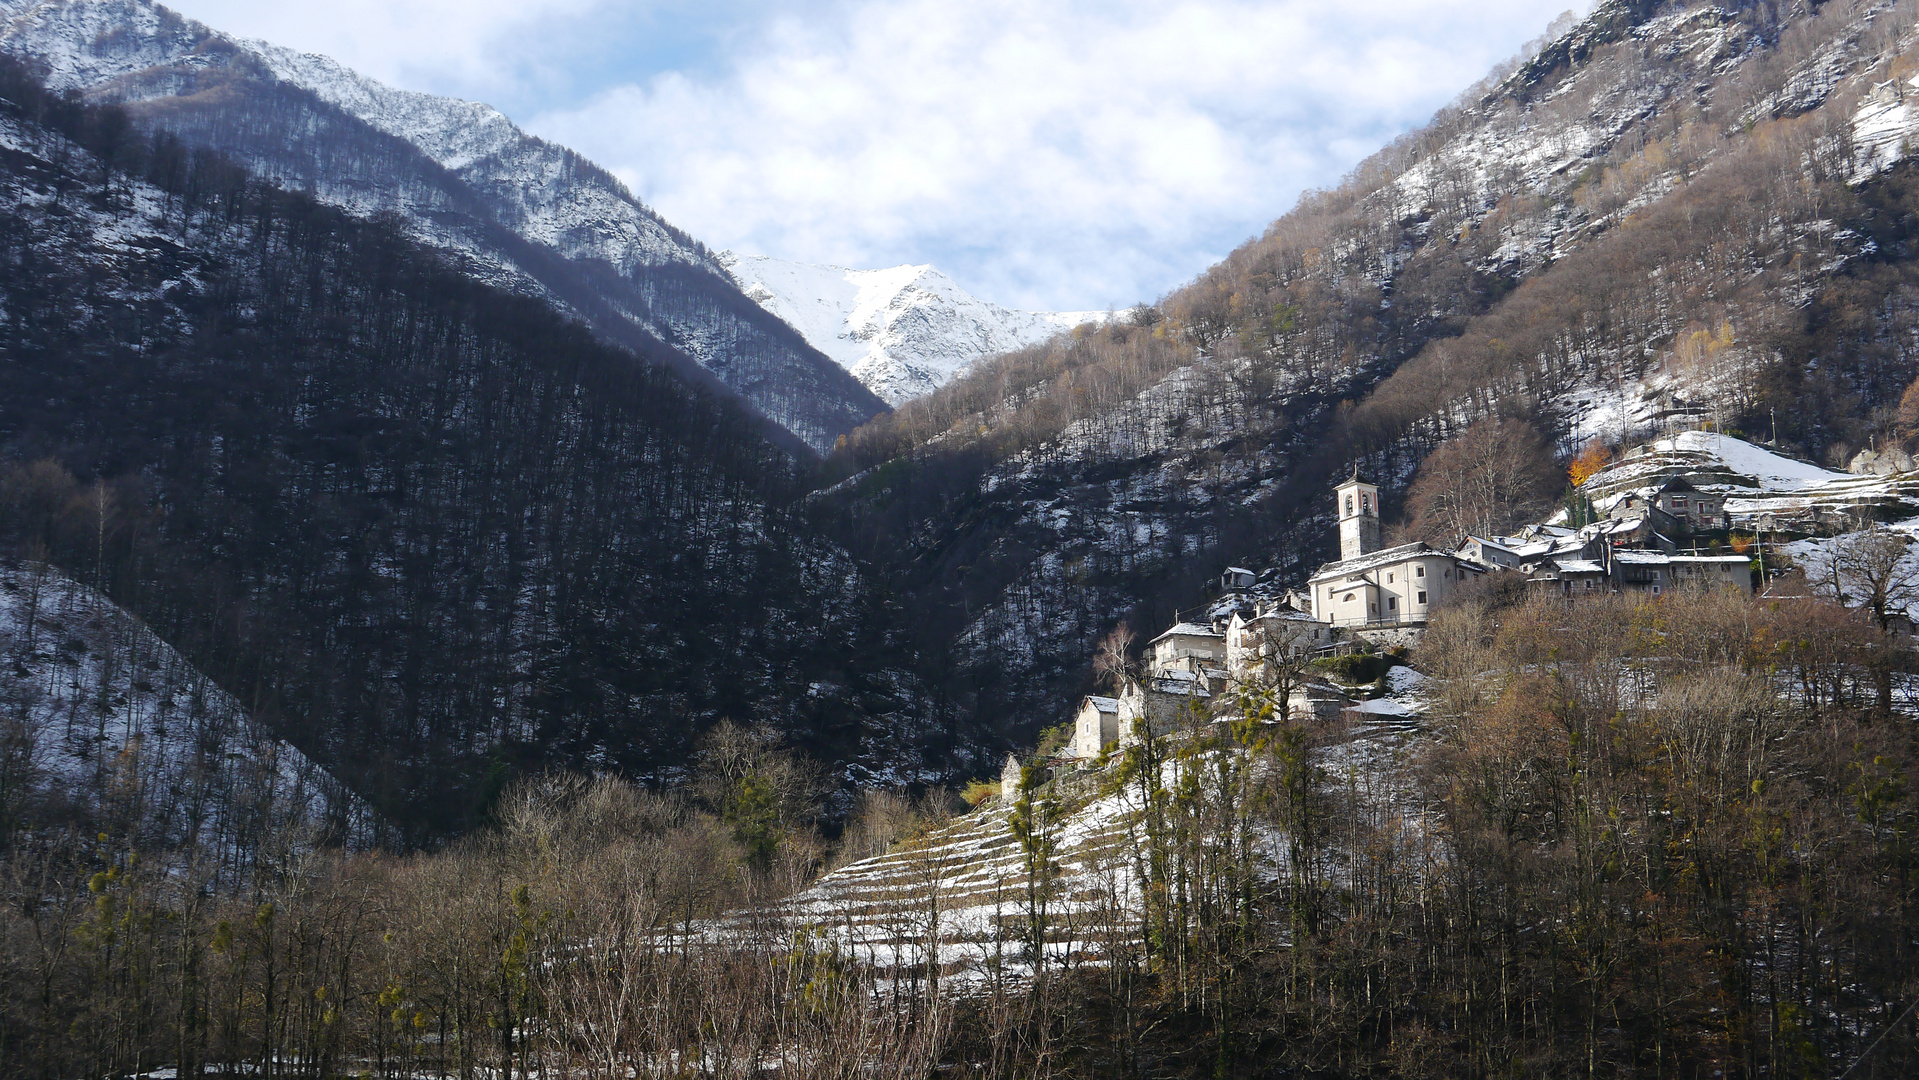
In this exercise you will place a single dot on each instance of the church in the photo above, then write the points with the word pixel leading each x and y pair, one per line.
pixel 1375 594
pixel 1382 594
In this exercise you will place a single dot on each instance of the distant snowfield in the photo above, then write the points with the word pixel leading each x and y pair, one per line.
pixel 904 331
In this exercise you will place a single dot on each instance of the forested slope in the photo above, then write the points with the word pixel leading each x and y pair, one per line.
pixel 513 210
pixel 429 531
pixel 104 728
pixel 1664 211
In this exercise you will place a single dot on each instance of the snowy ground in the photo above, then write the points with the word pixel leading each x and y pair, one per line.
pixel 101 718
pixel 1764 490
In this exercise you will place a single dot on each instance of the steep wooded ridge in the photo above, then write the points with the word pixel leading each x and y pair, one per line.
pixel 516 211
pixel 105 728
pixel 428 531
pixel 1664 209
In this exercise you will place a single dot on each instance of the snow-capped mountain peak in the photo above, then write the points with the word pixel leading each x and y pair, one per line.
pixel 903 331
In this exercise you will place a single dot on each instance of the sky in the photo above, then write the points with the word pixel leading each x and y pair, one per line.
pixel 1068 155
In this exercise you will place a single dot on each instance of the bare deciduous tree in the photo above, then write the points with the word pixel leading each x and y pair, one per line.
pixel 1499 471
pixel 1113 660
pixel 1873 569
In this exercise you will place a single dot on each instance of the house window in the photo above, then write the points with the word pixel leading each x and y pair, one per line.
pixel 1349 598
pixel 1422 596
pixel 1392 603
pixel 1419 571
pixel 1655 590
pixel 1389 579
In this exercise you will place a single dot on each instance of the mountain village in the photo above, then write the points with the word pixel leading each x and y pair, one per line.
pixel 1660 518
pixel 457 619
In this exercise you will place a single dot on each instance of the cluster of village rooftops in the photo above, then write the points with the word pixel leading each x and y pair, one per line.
pixel 1639 542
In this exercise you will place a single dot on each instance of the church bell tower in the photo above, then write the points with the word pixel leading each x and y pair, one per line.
pixel 1358 518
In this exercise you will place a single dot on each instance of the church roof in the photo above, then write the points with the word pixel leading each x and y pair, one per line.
pixel 1286 615
pixel 1387 557
pixel 1188 629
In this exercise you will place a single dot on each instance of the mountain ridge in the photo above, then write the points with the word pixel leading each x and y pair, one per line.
pixel 431 532
pixel 479 189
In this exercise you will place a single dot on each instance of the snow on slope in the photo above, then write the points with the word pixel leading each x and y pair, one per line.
pixel 960 889
pixel 1773 471
pixel 87 45
pixel 551 203
pixel 101 717
pixel 1883 126
pixel 903 331
pixel 1764 490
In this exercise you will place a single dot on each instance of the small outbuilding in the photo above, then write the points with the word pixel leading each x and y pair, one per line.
pixel 1236 578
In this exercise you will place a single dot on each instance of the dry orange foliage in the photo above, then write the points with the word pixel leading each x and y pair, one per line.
pixel 1590 460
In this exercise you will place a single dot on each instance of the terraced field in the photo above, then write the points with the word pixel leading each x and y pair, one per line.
pixel 962 891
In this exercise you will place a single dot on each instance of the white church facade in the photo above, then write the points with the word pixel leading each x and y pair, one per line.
pixel 1378 591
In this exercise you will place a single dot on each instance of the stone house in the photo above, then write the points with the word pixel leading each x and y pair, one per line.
pixel 1096 726
pixel 1252 642
pixel 1160 703
pixel 1673 507
pixel 1633 570
pixel 1189 641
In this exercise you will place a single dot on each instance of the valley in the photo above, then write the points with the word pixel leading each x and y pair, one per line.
pixel 455 622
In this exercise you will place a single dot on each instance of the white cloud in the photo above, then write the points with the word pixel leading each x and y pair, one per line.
pixel 1065 154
